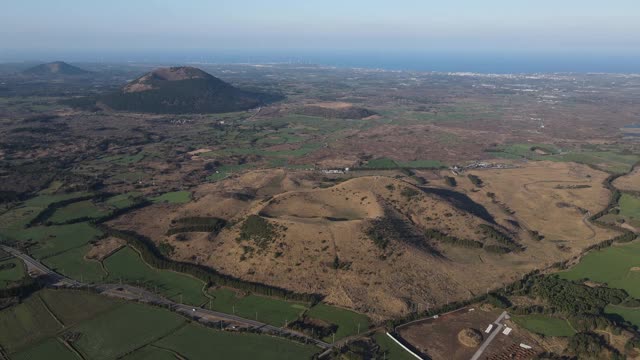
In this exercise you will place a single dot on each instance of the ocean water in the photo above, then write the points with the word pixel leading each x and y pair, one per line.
pixel 445 61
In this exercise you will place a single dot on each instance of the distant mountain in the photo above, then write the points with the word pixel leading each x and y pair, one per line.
pixel 182 90
pixel 55 68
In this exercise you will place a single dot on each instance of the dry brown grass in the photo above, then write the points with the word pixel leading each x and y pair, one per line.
pixel 103 248
pixel 629 182
pixel 322 223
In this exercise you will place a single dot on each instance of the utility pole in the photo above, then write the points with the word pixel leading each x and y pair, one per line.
pixel 334 338
pixel 358 328
pixel 233 309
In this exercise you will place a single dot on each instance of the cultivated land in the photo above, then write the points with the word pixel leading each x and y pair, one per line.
pixel 617 266
pixel 262 195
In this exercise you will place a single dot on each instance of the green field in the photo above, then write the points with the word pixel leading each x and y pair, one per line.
pixel 422 164
pixel 72 263
pixel 50 349
pixel 123 200
pixel 226 170
pixel 123 159
pixel 545 325
pixel 382 163
pixel 12 223
pixel 176 197
pixel 346 320
pixel 271 311
pixel 11 274
pixel 126 265
pixel 392 350
pixel 630 207
pixel 150 352
pixel 74 306
pixel 632 315
pixel 614 266
pixel 610 161
pixel 111 329
pixel 53 240
pixel 124 329
pixel 197 342
pixel 26 323
pixel 78 210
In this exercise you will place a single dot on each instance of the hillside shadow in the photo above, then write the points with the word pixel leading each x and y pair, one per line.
pixel 461 202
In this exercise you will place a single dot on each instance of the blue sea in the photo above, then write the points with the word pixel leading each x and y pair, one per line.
pixel 445 61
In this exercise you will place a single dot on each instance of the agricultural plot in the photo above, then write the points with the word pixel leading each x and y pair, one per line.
pixel 384 163
pixel 150 352
pixel 77 210
pixel 197 342
pixel 123 200
pixel 26 323
pixel 12 223
pixel 53 240
pixel 74 306
pixel 124 160
pixel 545 325
pixel 348 321
pixel 226 170
pixel 176 197
pixel 11 270
pixel 609 161
pixel 268 310
pixel 616 266
pixel 124 329
pixel 50 349
pixel 631 315
pixel 391 350
pixel 73 264
pixel 630 208
pixel 126 265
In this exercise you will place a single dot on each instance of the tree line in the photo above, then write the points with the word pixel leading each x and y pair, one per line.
pixel 151 255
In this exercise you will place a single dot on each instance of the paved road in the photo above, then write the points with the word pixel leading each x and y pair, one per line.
pixel 133 293
pixel 496 330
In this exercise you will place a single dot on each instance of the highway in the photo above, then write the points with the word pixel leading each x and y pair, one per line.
pixel 132 293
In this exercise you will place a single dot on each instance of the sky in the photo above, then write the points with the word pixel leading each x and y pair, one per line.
pixel 603 26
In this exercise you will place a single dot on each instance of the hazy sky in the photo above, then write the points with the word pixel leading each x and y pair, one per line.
pixel 419 25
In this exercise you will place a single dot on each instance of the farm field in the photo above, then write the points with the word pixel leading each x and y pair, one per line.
pixel 631 315
pixel 11 270
pixel 53 240
pixel 545 325
pixel 176 197
pixel 127 265
pixel 74 306
pixel 392 350
pixel 616 266
pixel 275 312
pixel 347 321
pixel 72 263
pixel 77 210
pixel 122 200
pixel 124 329
pixel 630 208
pixel 50 349
pixel 197 342
pixel 25 324
pixel 13 222
pixel 150 352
